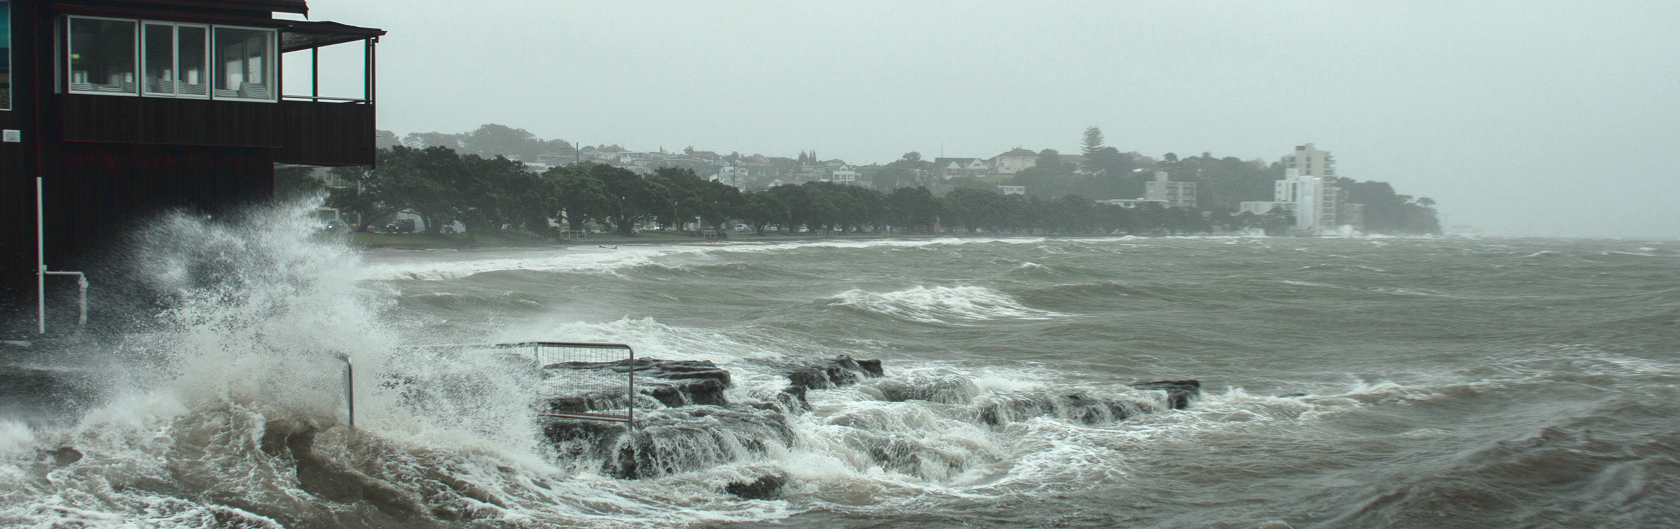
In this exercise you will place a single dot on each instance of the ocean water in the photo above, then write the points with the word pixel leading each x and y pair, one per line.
pixel 1357 382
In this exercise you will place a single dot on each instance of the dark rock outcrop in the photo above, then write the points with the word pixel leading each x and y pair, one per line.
pixel 790 400
pixel 999 410
pixel 831 373
pixel 65 455
pixel 767 487
pixel 328 480
pixel 671 440
pixel 949 389
pixel 672 383
pixel 793 399
pixel 1179 392
pixel 684 422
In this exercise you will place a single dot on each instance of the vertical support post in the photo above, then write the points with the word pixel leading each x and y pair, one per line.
pixel 367 70
pixel 315 74
pixel 631 412
pixel 350 391
pixel 82 284
pixel 40 256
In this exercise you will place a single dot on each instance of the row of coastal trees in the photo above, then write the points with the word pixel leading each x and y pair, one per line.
pixel 490 194
pixel 1096 171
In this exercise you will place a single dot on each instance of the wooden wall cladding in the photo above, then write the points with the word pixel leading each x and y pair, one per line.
pixel 167 121
pixel 331 134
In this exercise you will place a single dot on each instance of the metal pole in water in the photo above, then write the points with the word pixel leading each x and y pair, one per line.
pixel 631 413
pixel 82 284
pixel 81 289
pixel 350 391
pixel 40 257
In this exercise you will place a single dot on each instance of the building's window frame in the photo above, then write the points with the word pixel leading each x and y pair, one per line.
pixel 212 68
pixel 175 55
pixel 205 46
pixel 70 55
pixel 271 66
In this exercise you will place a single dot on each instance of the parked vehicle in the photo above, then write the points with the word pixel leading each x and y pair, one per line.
pixel 400 226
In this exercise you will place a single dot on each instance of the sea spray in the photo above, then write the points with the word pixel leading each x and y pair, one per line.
pixel 259 310
pixel 1474 395
pixel 256 314
pixel 959 305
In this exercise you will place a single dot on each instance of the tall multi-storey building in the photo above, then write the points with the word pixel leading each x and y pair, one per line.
pixel 1309 191
pixel 1174 194
pixel 1309 162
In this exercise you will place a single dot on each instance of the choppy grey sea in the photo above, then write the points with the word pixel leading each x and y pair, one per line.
pixel 1350 382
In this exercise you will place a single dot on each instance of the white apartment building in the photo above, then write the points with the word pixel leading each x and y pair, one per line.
pixel 1307 191
pixel 1174 194
pixel 1308 161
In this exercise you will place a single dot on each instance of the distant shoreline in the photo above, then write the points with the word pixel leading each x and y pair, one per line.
pixel 415 242
pixel 424 242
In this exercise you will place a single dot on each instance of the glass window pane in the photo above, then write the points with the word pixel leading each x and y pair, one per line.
pixel 194 76
pixel 5 56
pixel 160 59
pixel 102 56
pixel 244 64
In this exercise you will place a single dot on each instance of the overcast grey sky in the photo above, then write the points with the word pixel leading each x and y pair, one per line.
pixel 1518 117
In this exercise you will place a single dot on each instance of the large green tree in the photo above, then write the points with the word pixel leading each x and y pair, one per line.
pixel 1092 141
pixel 422 181
pixel 762 209
pixel 367 195
pixel 630 198
pixel 580 195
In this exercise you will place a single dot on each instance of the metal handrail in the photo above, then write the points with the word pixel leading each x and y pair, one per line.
pixel 81 287
pixel 41 270
pixel 629 416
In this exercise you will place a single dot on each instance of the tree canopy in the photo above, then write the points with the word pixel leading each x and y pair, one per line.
pixel 490 193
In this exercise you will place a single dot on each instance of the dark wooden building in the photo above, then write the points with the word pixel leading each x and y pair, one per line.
pixel 126 108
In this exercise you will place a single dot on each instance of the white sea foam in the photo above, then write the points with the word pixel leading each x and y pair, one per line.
pixel 953 305
pixel 435 266
pixel 648 337
pixel 244 349
pixel 445 265
pixel 259 317
pixel 17 443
